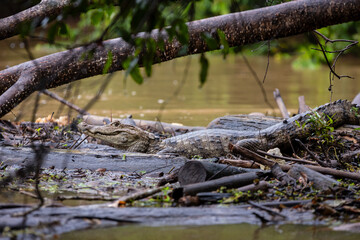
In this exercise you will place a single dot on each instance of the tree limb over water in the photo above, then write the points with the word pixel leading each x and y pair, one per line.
pixel 283 20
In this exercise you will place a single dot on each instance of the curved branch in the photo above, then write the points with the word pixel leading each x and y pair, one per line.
pixel 9 26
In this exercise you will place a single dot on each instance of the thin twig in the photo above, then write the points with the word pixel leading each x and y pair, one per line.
pixel 257 81
pixel 316 158
pixel 286 158
pixel 268 61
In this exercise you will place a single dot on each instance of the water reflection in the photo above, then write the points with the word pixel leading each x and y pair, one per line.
pixel 216 232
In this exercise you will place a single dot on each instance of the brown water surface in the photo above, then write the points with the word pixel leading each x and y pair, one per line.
pixel 230 89
pixel 214 232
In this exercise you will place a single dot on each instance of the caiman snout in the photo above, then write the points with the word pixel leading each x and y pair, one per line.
pixel 83 126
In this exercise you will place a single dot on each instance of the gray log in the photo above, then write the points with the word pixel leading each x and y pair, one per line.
pixel 201 171
pixel 233 181
pixel 319 180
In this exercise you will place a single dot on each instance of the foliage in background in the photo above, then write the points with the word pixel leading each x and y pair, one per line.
pixel 98 20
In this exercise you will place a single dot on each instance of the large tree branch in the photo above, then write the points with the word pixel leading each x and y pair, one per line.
pixel 240 28
pixel 10 26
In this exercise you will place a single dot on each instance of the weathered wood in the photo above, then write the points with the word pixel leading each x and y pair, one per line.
pixel 233 181
pixel 283 177
pixel 262 185
pixel 201 171
pixel 281 104
pixel 324 170
pixel 18 82
pixel 356 100
pixel 302 105
pixel 99 156
pixel 52 221
pixel 252 155
pixel 329 171
pixel 287 158
pixel 319 180
pixel 240 163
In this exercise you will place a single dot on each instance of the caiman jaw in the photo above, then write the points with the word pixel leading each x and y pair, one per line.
pixel 121 136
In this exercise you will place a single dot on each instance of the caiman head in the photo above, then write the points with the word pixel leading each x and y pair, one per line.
pixel 122 136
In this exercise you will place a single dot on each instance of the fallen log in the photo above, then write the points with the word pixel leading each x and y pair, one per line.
pixel 93 157
pixel 233 181
pixel 240 163
pixel 284 178
pixel 329 171
pixel 52 221
pixel 285 167
pixel 319 180
pixel 201 171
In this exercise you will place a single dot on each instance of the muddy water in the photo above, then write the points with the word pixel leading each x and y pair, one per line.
pixel 240 232
pixel 230 89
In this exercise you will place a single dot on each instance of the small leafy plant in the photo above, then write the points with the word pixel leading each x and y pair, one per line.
pixel 321 127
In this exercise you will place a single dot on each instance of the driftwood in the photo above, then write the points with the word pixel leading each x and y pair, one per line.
pixel 287 158
pixel 93 157
pixel 201 171
pixel 328 171
pixel 281 104
pixel 319 180
pixel 215 197
pixel 356 100
pixel 262 185
pixel 283 177
pixel 240 163
pixel 350 156
pixel 324 170
pixel 52 221
pixel 136 196
pixel 233 181
pixel 170 178
pixel 302 105
pixel 251 155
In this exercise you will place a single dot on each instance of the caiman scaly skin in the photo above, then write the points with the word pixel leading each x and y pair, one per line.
pixel 215 142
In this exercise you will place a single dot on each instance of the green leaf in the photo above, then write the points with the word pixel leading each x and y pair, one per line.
pixel 96 16
pixel 149 56
pixel 210 41
pixel 52 33
pixel 186 10
pixel 204 63
pixel 108 62
pixel 63 29
pixel 224 43
pixel 132 68
pixel 135 74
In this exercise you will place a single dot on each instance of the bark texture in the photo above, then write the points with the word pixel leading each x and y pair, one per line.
pixel 9 26
pixel 18 82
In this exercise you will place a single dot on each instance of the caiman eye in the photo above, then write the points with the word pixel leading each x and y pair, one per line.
pixel 116 124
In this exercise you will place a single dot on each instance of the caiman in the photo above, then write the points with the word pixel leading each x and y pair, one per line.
pixel 215 142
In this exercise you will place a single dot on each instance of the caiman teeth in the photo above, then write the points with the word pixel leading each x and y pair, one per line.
pixel 105 134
